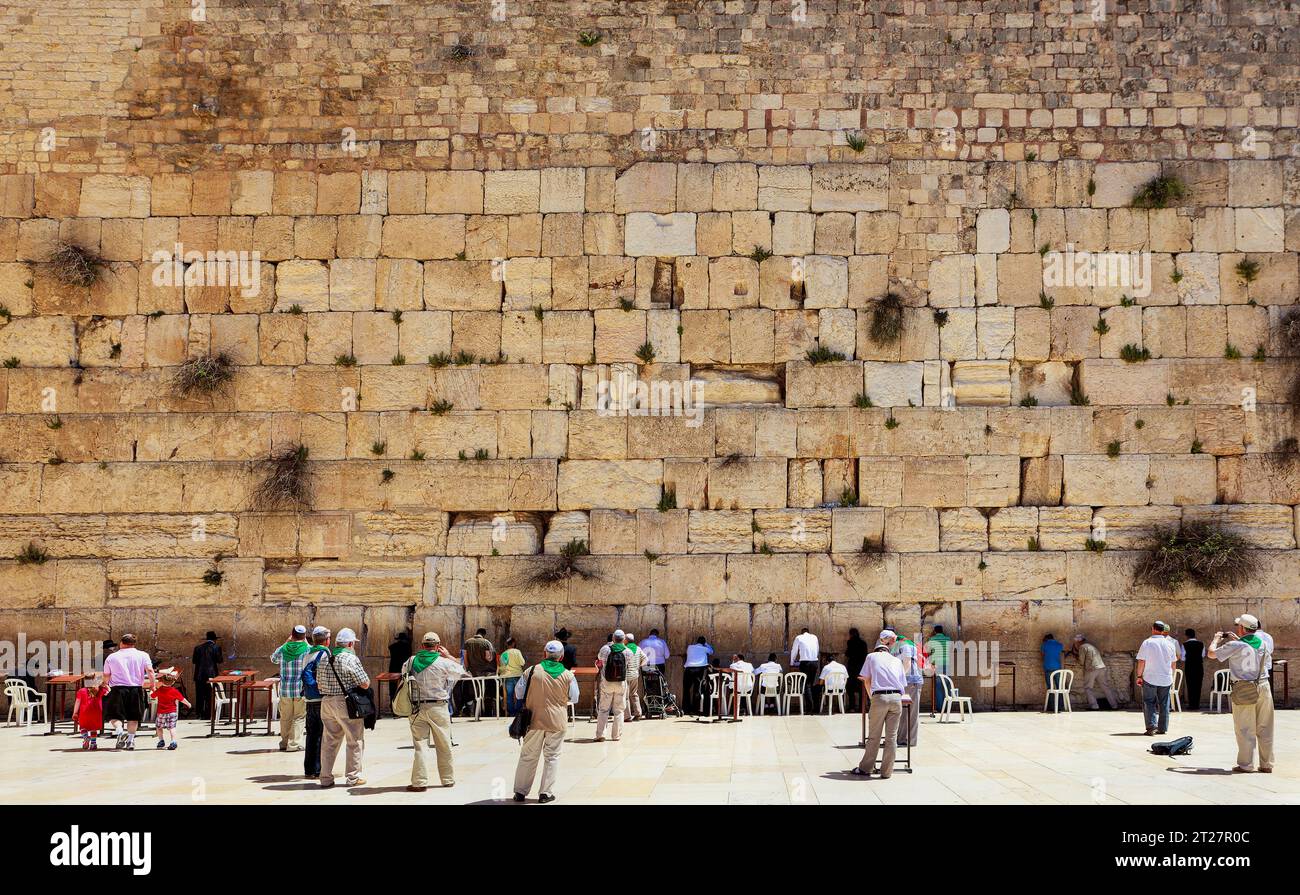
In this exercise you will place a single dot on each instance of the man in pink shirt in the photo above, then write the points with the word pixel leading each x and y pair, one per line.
pixel 129 675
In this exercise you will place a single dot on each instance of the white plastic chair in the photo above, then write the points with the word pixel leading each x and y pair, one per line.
pixel 1222 690
pixel 1176 701
pixel 480 693
pixel 12 686
pixel 712 686
pixel 793 685
pixel 25 703
pixel 769 687
pixel 220 700
pixel 833 690
pixel 275 698
pixel 951 697
pixel 1059 684
pixel 745 685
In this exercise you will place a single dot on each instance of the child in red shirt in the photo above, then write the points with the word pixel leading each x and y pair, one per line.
pixel 168 698
pixel 89 710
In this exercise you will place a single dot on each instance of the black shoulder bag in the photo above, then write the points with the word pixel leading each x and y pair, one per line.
pixel 360 703
pixel 523 715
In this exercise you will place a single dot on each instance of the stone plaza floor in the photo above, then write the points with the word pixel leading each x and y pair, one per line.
pixel 994 758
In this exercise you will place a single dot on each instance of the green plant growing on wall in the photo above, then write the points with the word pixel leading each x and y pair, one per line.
pixel 667 499
pixel 760 254
pixel 1078 397
pixel 856 142
pixel 887 320
pixel 940 318
pixel 440 407
pixel 547 571
pixel 1132 354
pixel 1094 545
pixel 589 38
pixel 386 476
pixel 1102 326
pixel 823 355
pixel 11 363
pixel 891 423
pixel 1028 401
pixel 1045 301
pixel 1113 449
pixel 627 304
pixel 1248 270
pixel 203 375
pixel 399 360
pixel 1231 352
pixel 1160 192
pixel 345 360
pixel 417 454
pixel 481 454
pixel 1198 554
pixel 439 360
pixel 646 353
pixel 848 497
pixel 378 447
pixel 862 401
pixel 55 423
pixel 32 555
pixel 285 481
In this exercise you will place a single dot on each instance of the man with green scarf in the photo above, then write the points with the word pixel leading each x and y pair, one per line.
pixel 433 672
pixel 291 656
pixel 1249 654
pixel 546 690
pixel 611 686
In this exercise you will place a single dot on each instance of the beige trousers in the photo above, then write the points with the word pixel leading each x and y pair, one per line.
pixel 538 744
pixel 293 721
pixel 634 697
pixel 882 720
pixel 337 728
pixel 1253 725
pixel 1097 678
pixel 612 698
pixel 432 721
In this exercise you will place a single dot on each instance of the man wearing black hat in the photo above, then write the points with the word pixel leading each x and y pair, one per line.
pixel 207 665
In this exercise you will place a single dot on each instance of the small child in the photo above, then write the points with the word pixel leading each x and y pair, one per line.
pixel 168 698
pixel 89 710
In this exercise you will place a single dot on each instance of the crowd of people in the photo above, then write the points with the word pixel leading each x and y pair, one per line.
pixel 323 682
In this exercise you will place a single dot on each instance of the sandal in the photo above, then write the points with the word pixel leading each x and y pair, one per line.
pixel 858 772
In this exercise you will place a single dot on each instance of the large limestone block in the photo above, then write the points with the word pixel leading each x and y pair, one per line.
pixel 511 192
pixel 485 534
pixel 615 484
pixel 39 341
pixel 1012 528
pixel 851 578
pixel 934 481
pixel 850 187
pixel 1064 528
pixel 660 235
pixel 63 583
pixel 486 485
pixel 511 581
pixel 162 582
pixel 721 531
pixel 993 231
pixel 1260 230
pixel 450 581
pixel 564 528
pixel 1120 481
pixel 756 578
pixel 613 531
pixel 894 384
pixel 1050 384
pixel 793 530
pixel 981 383
pixel 423 236
pixel 964 528
pixel 940 576
pixel 689 579
pixel 1266 526
pixel 1180 480
pixel 952 281
pixel 647 186
pixel 851 527
pixel 114 196
pixel 1025 576
pixel 650 437
pixel 992 481
pixel 1131 528
pixel 725 387
pixel 832 384
pixel 911 529
pixel 1115 382
pixel 1118 183
pixel 996 333
pixel 661 532
pixel 746 483
pixel 784 187
pixel 1041 481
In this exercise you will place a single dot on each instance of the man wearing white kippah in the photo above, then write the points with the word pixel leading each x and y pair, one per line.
pixel 291 656
pixel 886 683
pixel 546 690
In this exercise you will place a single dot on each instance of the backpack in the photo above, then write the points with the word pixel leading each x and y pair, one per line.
pixel 615 670
pixel 309 688
pixel 1180 746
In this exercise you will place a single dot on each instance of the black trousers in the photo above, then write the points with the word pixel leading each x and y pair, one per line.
pixel 1194 675
pixel 853 690
pixel 202 698
pixel 809 687
pixel 311 757
pixel 691 680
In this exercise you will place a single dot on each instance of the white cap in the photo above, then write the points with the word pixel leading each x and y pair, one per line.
pixel 347 635
pixel 320 629
pixel 630 636
pixel 1078 637
pixel 300 629
pixel 1247 621
pixel 887 635
pixel 619 635
pixel 554 647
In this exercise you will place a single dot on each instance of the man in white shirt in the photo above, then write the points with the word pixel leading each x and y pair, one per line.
pixel 744 685
pixel 1156 659
pixel 695 672
pixel 656 650
pixel 885 681
pixel 637 661
pixel 831 667
pixel 611 688
pixel 804 653
pixel 1249 654
pixel 129 675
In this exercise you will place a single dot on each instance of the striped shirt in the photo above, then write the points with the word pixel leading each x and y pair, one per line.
pixel 290 672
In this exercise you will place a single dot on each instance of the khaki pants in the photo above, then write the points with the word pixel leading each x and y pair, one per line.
pixel 882 720
pixel 1253 725
pixel 612 697
pixel 634 697
pixel 432 720
pixel 337 728
pixel 1094 679
pixel 543 744
pixel 293 721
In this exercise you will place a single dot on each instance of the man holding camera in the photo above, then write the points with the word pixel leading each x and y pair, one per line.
pixel 1249 654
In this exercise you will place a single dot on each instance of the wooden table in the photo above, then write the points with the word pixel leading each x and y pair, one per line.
pixel 1286 682
pixel 60 684
pixel 236 679
pixel 379 680
pixel 245 698
pixel 998 677
pixel 735 697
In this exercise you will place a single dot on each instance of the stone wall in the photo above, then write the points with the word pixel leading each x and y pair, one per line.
pixel 437 308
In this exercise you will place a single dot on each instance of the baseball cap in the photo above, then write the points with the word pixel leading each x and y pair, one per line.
pixel 320 629
pixel 555 648
pixel 1247 621
pixel 430 637
pixel 347 635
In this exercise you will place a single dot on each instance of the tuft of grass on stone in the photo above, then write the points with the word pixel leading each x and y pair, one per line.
pixel 667 499
pixel 345 360
pixel 1160 192
pixel 1077 396
pixel 1198 554
pixel 862 401
pixel 73 265
pixel 213 577
pixel 1259 356
pixel 440 407
pixel 891 423
pixel 386 476
pixel 1028 401
pixel 940 318
pixel 823 355
pixel 856 142
pixel 1094 545
pixel 760 254
pixel 1112 449
pixel 439 360
pixel 32 555
pixel 378 447
pixel 1197 447
pixel 11 363
pixel 203 375
pixel 481 454
pixel 1045 302
pixel 887 320
pixel 589 38
pixel 848 497
pixel 417 454
pixel 1102 327
pixel 627 304
pixel 646 353
pixel 1132 354
pixel 1248 270
pixel 1231 352
pixel 286 480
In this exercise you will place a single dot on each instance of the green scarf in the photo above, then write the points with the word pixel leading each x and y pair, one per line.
pixel 616 647
pixel 1253 640
pixel 631 646
pixel 422 660
pixel 292 649
pixel 552 667
pixel 335 650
